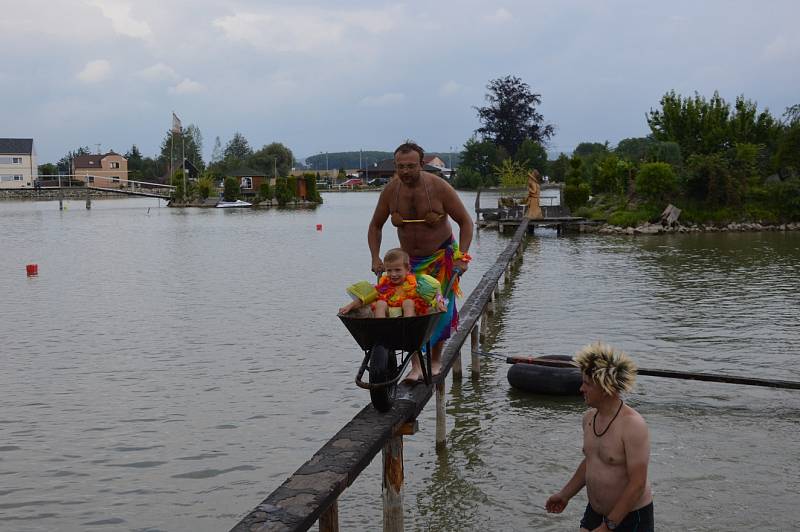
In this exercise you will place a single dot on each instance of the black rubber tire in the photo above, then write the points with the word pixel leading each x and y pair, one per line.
pixel 382 367
pixel 545 380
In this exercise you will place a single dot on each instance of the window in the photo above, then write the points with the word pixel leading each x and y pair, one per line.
pixel 247 182
pixel 10 177
pixel 114 164
pixel 16 160
pixel 10 160
pixel 115 178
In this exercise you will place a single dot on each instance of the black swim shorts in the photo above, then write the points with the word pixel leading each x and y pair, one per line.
pixel 640 520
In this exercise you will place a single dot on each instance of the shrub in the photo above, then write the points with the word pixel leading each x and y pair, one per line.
pixel 231 189
pixel 264 192
pixel 576 195
pixel 656 182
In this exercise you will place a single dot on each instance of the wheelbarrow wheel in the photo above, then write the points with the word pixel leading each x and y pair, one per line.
pixel 382 367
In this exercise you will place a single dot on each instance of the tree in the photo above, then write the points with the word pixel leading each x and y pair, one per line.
pixel 47 169
pixel 237 149
pixel 557 170
pixel 273 159
pixel 512 173
pixel 65 163
pixel 511 116
pixel 656 182
pixel 135 163
pixel 217 153
pixel 187 143
pixel 634 149
pixel 481 158
pixel 532 155
pixel 611 175
pixel 231 189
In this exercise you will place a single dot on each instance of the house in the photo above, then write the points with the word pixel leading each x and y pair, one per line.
pixel 385 168
pixel 18 167
pixel 250 180
pixel 109 170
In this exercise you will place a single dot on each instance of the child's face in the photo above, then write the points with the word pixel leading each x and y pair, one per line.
pixel 396 270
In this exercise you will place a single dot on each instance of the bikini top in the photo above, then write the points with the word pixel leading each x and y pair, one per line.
pixel 431 217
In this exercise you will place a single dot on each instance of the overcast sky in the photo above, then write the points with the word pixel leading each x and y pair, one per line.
pixel 336 76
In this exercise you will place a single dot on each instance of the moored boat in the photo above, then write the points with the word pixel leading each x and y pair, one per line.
pixel 233 204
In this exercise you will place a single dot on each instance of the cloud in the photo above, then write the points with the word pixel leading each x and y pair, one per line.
pixel 390 98
pixel 187 86
pixel 500 15
pixel 450 87
pixel 121 21
pixel 158 72
pixel 95 71
pixel 781 47
pixel 304 30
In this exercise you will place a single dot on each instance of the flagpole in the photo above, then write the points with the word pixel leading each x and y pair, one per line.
pixel 183 165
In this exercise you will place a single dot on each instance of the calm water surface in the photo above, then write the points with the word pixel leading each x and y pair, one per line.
pixel 169 368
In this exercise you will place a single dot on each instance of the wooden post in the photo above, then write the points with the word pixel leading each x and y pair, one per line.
pixel 441 421
pixel 393 484
pixel 88 198
pixel 329 520
pixel 475 347
pixel 457 371
pixel 490 305
pixel 483 327
pixel 507 276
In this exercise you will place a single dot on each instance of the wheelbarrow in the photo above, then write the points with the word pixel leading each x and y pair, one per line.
pixel 382 339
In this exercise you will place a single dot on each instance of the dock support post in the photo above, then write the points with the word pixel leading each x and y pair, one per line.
pixel 490 305
pixel 475 347
pixel 441 422
pixel 393 484
pixel 88 198
pixel 329 520
pixel 457 370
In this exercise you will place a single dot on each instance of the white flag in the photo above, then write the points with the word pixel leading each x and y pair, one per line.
pixel 176 123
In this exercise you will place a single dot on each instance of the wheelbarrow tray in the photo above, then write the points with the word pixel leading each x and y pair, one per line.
pixel 407 334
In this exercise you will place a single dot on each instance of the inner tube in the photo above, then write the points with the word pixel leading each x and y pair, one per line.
pixel 546 380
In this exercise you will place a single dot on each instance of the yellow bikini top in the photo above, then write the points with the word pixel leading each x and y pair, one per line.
pixel 431 217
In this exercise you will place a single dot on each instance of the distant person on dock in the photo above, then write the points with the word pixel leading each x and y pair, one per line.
pixel 616 446
pixel 399 292
pixel 419 204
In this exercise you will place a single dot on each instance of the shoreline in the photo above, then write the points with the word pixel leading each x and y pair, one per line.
pixel 659 229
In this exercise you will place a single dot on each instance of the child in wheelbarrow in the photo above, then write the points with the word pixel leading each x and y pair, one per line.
pixel 398 292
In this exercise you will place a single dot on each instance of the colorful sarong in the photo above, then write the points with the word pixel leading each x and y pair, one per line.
pixel 439 265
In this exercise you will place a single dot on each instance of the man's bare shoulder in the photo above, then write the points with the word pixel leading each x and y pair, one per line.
pixel 633 422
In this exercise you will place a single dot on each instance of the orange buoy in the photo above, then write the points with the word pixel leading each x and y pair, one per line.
pixel 32 269
pixel 319 227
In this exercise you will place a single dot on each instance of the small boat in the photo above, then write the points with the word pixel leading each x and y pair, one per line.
pixel 545 380
pixel 232 204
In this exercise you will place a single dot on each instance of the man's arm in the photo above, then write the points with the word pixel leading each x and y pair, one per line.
pixel 636 441
pixel 556 503
pixel 454 207
pixel 375 230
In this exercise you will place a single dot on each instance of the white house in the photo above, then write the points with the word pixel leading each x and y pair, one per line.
pixel 18 167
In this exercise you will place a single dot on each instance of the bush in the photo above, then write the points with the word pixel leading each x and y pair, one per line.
pixel 468 178
pixel 231 189
pixel 656 182
pixel 282 192
pixel 576 195
pixel 204 186
pixel 264 192
pixel 633 218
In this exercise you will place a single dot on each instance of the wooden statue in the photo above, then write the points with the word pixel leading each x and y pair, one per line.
pixel 534 210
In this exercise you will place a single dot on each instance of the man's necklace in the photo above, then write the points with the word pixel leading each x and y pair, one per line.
pixel 594 421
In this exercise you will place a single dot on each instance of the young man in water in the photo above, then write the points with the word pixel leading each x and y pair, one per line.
pixel 419 204
pixel 616 446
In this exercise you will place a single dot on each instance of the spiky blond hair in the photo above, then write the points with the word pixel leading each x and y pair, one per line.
pixel 613 370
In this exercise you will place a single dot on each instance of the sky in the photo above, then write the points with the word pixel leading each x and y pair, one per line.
pixel 349 75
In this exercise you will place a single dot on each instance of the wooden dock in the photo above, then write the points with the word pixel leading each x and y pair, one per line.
pixel 311 493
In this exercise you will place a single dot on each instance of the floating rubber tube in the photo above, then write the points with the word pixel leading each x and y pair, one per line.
pixel 546 380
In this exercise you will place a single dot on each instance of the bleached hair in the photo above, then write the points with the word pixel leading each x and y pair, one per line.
pixel 613 370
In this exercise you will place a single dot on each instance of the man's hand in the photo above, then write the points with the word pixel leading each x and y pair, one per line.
pixel 377 266
pixel 556 504
pixel 461 265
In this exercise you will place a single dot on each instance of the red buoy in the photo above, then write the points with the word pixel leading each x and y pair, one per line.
pixel 32 269
pixel 319 227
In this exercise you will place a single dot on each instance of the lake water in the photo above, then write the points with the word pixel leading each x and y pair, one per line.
pixel 168 368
